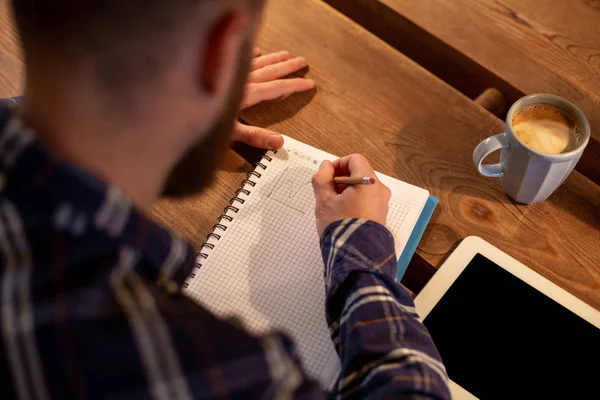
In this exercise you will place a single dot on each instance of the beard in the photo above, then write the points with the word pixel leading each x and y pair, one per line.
pixel 196 169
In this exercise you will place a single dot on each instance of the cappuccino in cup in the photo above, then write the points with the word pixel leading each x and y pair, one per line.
pixel 545 129
pixel 544 138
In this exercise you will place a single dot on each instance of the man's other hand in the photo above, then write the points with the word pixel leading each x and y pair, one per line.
pixel 265 83
pixel 336 202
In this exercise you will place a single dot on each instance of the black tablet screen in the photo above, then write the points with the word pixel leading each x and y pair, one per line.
pixel 501 338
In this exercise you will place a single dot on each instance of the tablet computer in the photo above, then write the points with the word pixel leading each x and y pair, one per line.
pixel 505 331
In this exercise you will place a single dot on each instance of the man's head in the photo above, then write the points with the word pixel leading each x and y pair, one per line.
pixel 136 58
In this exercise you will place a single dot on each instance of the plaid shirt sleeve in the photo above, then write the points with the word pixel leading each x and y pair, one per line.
pixel 385 349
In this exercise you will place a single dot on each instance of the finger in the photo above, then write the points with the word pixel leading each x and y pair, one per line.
pixel 257 137
pixel 273 58
pixel 256 52
pixel 276 71
pixel 257 92
pixel 354 165
pixel 322 181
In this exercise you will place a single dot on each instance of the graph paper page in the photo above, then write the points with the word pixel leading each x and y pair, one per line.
pixel 266 268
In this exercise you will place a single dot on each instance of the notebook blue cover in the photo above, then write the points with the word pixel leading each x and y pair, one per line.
pixel 415 237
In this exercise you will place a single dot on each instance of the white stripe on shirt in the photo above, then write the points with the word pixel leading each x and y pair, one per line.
pixel 176 256
pixel 283 371
pixel 336 244
pixel 165 348
pixel 107 209
pixel 9 317
pixel 121 216
pixel 416 356
pixel 350 307
pixel 25 321
pixel 24 138
pixel 113 214
pixel 330 259
pixel 140 331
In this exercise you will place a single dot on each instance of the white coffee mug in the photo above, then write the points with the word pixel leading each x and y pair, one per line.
pixel 529 176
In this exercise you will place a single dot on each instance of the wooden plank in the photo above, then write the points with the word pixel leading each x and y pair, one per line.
pixel 371 99
pixel 11 60
pixel 537 46
pixel 433 54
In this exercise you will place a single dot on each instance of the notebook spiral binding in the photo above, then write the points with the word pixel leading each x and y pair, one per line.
pixel 224 219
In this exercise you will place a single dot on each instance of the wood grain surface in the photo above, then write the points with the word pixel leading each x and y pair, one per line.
pixel 11 60
pixel 538 46
pixel 371 99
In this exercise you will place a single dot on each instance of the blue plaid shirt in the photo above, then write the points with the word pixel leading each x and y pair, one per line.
pixel 91 306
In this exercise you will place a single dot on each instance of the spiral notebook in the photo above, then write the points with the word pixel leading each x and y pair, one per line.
pixel 262 264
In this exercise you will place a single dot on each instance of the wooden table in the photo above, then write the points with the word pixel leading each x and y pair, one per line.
pixel 374 100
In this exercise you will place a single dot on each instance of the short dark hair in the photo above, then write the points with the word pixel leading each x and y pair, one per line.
pixel 125 40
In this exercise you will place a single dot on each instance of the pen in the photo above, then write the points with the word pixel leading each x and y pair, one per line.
pixel 367 180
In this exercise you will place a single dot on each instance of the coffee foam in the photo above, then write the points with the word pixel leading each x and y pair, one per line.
pixel 545 129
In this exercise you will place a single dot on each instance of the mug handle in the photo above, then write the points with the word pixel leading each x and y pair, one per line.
pixel 484 149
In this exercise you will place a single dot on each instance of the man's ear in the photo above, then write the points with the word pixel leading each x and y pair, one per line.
pixel 222 52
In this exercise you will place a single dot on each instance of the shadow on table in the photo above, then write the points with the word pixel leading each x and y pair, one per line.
pixel 272 112
pixel 579 197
